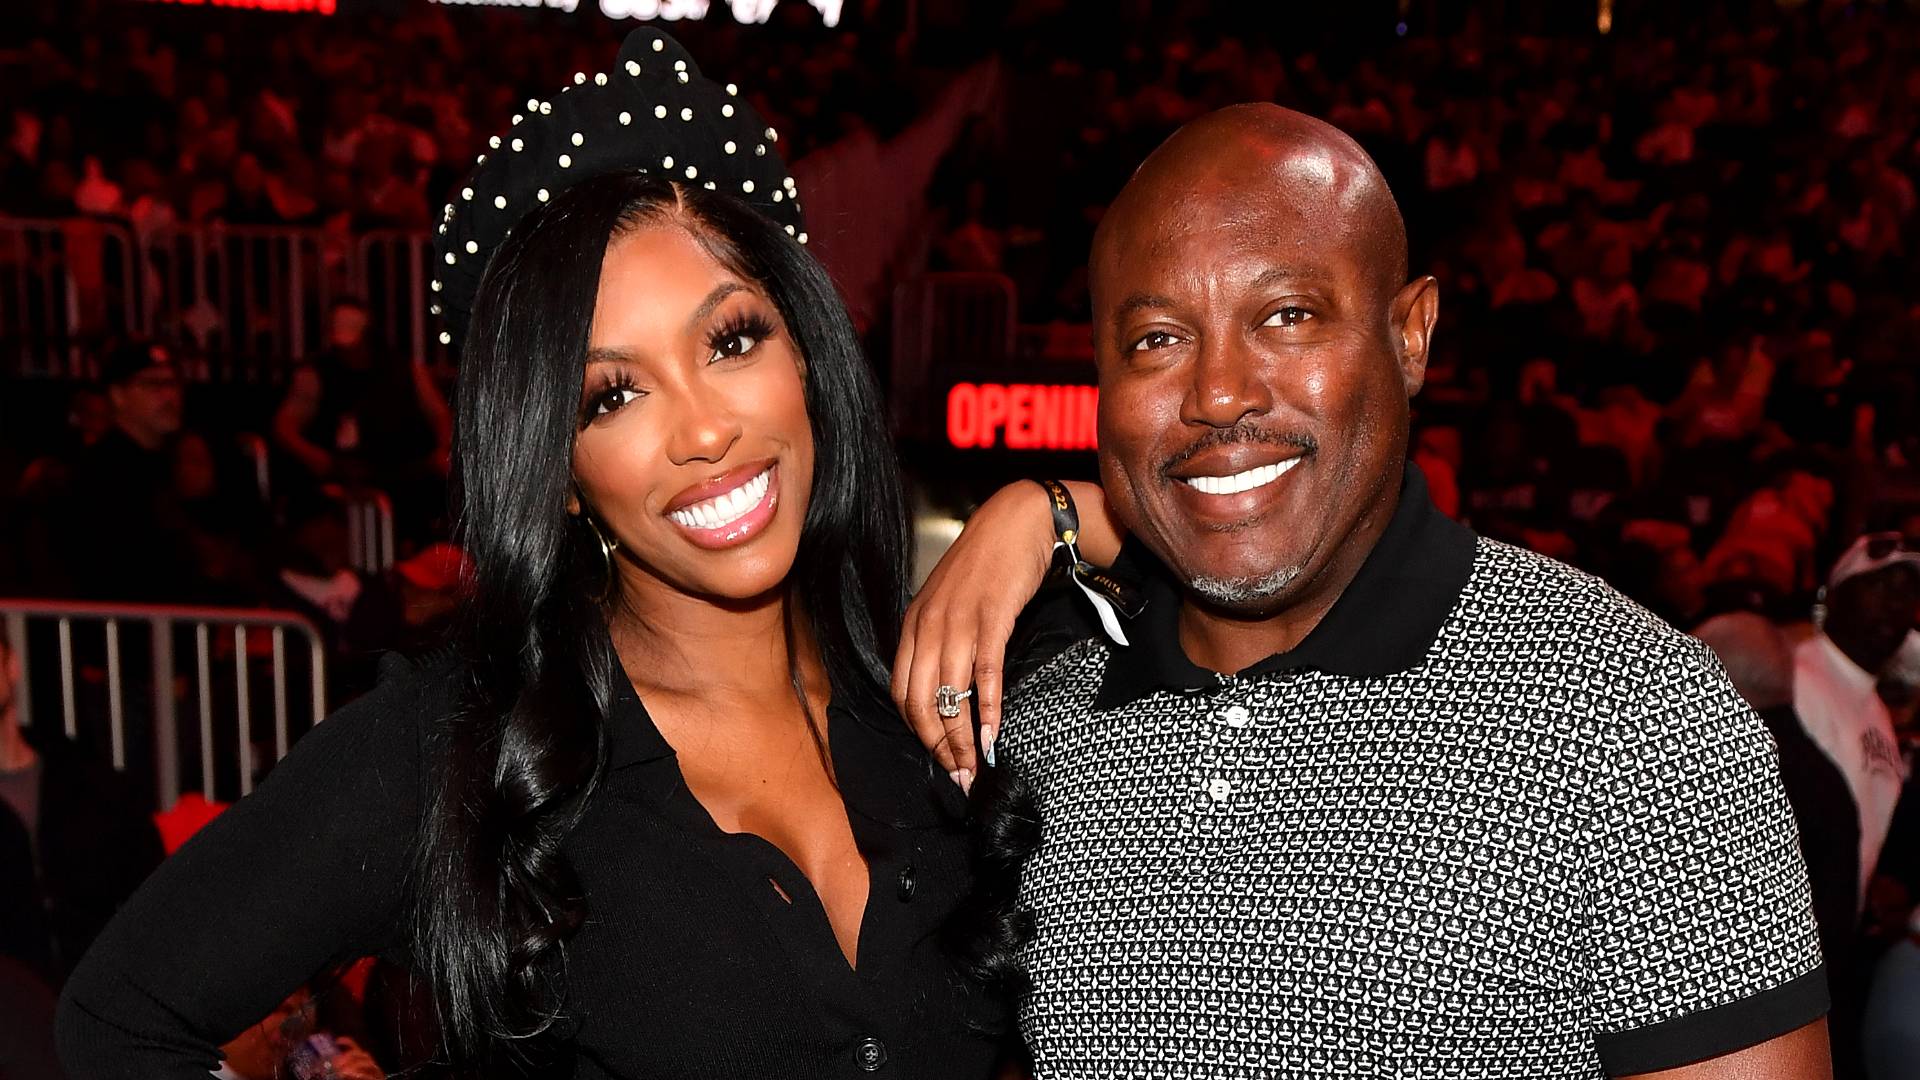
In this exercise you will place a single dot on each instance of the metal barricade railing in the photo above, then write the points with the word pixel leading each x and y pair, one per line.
pixel 260 457
pixel 65 286
pixel 369 531
pixel 83 634
pixel 395 275
pixel 255 298
pixel 946 320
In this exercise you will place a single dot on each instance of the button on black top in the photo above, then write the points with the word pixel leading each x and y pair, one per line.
pixel 907 883
pixel 870 1055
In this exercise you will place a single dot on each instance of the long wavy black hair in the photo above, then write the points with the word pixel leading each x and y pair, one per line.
pixel 493 897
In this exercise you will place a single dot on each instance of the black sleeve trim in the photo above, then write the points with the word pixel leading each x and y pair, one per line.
pixel 1714 1032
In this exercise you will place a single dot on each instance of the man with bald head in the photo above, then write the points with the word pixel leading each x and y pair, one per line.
pixel 1363 794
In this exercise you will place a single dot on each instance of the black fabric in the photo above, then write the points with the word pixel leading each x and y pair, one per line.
pixel 1716 1032
pixel 95 844
pixel 375 394
pixel 690 963
pixel 1382 624
pixel 1829 827
pixel 654 112
pixel 26 1036
pixel 127 536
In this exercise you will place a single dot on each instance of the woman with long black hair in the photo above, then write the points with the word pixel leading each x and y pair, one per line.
pixel 653 814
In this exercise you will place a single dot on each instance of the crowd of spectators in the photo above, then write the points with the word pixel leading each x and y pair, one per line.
pixel 1679 307
pixel 158 116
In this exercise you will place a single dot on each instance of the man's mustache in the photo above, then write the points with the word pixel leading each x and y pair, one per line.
pixel 1233 436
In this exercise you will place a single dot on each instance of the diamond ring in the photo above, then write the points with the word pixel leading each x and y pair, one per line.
pixel 946 701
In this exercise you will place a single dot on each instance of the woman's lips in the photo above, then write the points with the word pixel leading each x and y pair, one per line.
pixel 733 516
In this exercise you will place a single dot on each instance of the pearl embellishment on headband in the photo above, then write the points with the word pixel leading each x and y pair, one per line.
pixel 696 165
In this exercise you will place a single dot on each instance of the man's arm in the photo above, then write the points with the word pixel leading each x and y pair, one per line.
pixel 1703 949
pixel 433 405
pixel 296 411
pixel 1797 1055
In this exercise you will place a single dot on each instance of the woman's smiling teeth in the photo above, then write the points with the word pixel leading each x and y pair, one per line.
pixel 1259 476
pixel 723 510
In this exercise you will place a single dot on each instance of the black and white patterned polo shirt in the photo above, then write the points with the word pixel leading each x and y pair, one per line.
pixel 1489 819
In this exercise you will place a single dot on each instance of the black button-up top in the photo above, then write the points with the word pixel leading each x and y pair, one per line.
pixel 691 962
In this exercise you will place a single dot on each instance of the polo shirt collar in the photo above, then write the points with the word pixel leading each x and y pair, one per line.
pixel 1383 624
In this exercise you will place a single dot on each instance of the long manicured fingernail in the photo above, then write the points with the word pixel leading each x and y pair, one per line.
pixel 986 744
pixel 964 777
pixel 955 777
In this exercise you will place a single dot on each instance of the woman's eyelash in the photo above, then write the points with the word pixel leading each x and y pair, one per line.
pixel 607 398
pixel 753 325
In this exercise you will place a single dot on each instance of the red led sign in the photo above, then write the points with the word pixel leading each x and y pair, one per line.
pixel 311 7
pixel 1022 416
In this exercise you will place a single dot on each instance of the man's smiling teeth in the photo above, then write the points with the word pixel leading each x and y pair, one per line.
pixel 723 510
pixel 1240 481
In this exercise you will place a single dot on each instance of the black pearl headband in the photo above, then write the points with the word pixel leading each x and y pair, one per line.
pixel 653 112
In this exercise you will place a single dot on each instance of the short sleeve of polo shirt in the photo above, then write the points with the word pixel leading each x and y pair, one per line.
pixel 1702 939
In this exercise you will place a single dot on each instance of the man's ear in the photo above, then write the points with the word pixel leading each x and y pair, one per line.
pixel 1415 308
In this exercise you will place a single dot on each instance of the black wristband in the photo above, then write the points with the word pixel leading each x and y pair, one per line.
pixel 1066 517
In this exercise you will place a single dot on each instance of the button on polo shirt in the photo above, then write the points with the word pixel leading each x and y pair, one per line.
pixel 1489 818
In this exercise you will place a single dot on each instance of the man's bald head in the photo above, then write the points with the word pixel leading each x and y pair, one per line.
pixel 1218 170
pixel 1258 341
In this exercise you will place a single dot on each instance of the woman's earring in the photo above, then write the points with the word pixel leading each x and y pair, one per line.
pixel 606 552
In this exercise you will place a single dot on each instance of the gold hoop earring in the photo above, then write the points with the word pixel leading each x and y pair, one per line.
pixel 607 548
